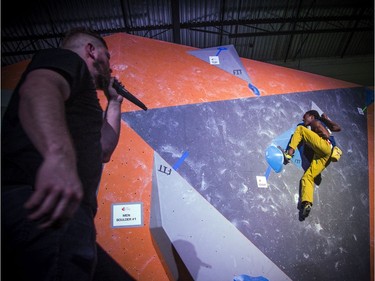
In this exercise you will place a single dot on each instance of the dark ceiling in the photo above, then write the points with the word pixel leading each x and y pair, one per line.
pixel 264 30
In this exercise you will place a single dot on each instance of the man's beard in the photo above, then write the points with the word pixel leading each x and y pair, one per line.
pixel 103 77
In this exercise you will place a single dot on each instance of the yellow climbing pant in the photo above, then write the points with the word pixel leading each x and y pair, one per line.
pixel 322 153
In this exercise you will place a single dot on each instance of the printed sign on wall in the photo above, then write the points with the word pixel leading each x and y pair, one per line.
pixel 127 214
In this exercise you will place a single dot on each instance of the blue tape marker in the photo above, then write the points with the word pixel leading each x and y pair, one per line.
pixel 254 89
pixel 220 49
pixel 267 174
pixel 179 162
pixel 244 277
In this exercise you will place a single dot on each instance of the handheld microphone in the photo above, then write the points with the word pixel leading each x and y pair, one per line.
pixel 120 89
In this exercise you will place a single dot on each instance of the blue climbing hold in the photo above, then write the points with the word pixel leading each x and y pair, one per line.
pixel 275 158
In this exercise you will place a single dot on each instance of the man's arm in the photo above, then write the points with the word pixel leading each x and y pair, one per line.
pixel 334 127
pixel 317 127
pixel 58 190
pixel 111 123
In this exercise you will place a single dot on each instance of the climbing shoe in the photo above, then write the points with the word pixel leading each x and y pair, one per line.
pixel 305 210
pixel 287 157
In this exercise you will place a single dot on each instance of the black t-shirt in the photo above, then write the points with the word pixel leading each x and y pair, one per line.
pixel 20 159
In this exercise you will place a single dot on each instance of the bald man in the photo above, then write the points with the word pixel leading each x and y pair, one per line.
pixel 55 139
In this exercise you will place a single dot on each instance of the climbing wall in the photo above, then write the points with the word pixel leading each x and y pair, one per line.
pixel 226 142
pixel 181 197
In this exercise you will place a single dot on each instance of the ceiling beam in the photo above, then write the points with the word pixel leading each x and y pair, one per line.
pixel 302 31
pixel 176 21
pixel 177 26
pixel 294 25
